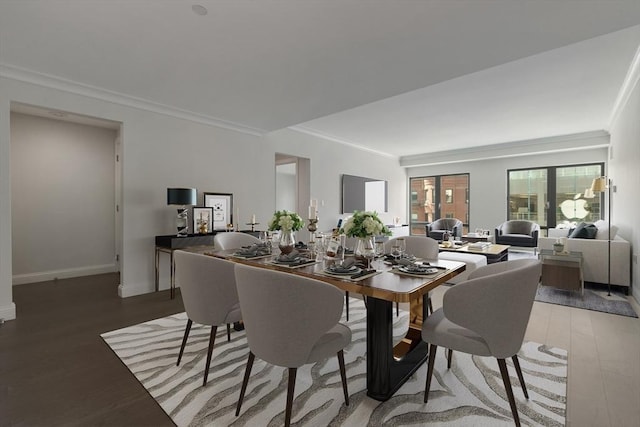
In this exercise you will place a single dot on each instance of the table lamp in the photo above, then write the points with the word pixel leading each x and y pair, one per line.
pixel 182 197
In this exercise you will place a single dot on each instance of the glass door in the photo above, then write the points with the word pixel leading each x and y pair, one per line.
pixel 435 197
pixel 528 195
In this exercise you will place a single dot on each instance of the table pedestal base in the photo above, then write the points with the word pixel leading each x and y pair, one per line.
pixel 388 367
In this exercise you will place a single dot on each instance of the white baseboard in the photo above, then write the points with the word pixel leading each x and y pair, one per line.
pixel 8 312
pixel 131 291
pixel 21 279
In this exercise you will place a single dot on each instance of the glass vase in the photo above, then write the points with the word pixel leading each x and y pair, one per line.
pixel 287 241
pixel 364 247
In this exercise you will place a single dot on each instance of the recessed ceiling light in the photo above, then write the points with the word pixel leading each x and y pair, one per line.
pixel 198 9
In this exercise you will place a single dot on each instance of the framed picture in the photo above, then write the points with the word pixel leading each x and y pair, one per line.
pixel 222 204
pixel 202 220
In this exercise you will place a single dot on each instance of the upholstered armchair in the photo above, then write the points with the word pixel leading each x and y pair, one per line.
pixel 518 233
pixel 437 228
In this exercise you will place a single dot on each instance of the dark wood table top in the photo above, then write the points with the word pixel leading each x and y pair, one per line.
pixel 387 285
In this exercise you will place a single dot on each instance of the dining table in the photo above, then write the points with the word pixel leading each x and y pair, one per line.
pixel 389 366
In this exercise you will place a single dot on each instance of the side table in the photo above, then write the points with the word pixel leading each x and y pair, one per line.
pixel 170 244
pixel 562 270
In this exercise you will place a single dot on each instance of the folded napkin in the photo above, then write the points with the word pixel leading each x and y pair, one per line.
pixel 415 268
pixel 292 256
pixel 342 268
pixel 259 249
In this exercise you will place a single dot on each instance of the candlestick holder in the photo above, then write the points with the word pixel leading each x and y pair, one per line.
pixel 253 225
pixel 312 227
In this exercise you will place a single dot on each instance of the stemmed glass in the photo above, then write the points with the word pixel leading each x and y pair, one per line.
pixel 369 253
pixel 396 252
pixel 403 246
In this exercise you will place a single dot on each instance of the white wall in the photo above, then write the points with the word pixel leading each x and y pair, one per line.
pixel 62 187
pixel 488 180
pixel 286 187
pixel 625 173
pixel 161 150
pixel 329 161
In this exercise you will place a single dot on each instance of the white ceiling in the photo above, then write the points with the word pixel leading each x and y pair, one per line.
pixel 398 77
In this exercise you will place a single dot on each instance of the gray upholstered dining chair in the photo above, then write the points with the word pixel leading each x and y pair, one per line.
pixel 311 310
pixel 208 289
pixel 421 247
pixel 233 240
pixel 487 315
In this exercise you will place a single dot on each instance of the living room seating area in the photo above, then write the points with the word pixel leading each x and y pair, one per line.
pixel 594 253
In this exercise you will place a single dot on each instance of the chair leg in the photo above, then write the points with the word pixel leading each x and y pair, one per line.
pixel 212 340
pixel 516 363
pixel 507 386
pixel 228 331
pixel 343 375
pixel 449 356
pixel 245 381
pixel 290 389
pixel 184 340
pixel 397 309
pixel 346 301
pixel 430 305
pixel 430 363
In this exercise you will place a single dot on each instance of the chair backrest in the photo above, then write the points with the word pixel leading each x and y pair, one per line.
pixel 207 285
pixel 233 240
pixel 285 314
pixel 496 303
pixel 419 246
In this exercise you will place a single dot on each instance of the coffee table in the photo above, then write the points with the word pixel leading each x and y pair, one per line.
pixel 493 252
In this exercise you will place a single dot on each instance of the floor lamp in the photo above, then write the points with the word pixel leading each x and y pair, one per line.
pixel 599 185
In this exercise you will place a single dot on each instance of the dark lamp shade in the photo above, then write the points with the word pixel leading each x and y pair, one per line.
pixel 599 185
pixel 182 196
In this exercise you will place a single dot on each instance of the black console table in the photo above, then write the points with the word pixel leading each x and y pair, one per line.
pixel 171 243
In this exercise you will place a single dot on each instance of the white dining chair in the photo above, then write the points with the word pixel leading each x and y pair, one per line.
pixel 209 295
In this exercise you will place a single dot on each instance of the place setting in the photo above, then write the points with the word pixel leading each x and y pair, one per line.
pixel 255 251
pixel 294 259
pixel 349 269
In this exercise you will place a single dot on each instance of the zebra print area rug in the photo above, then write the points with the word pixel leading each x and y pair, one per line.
pixel 471 393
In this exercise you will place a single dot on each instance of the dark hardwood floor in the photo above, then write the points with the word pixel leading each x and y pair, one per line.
pixel 56 370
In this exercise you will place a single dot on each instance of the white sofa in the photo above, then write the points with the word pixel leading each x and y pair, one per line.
pixel 594 254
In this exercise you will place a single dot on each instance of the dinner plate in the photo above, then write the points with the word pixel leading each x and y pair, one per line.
pixel 342 272
pixel 418 271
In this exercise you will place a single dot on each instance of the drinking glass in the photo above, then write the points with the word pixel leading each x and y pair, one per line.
pixel 403 246
pixel 369 253
pixel 396 252
pixel 379 248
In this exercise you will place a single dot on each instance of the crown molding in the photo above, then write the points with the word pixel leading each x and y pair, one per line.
pixel 54 82
pixel 628 85
pixel 530 147
pixel 318 134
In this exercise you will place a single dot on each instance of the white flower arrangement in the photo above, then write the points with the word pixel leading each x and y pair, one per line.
pixel 365 224
pixel 286 221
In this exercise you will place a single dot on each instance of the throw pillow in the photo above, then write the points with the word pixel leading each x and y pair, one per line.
pixel 584 231
pixel 603 230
